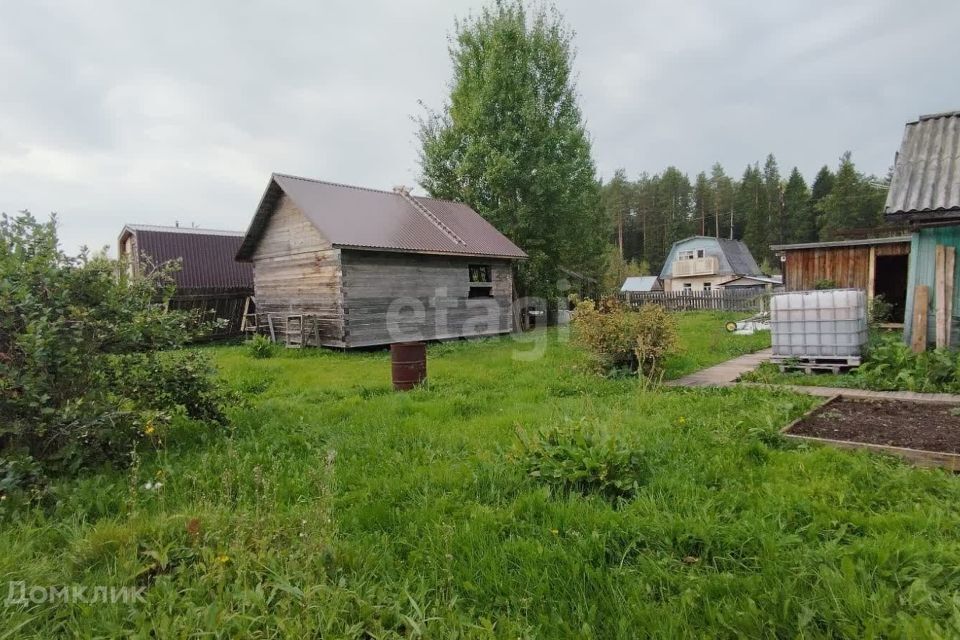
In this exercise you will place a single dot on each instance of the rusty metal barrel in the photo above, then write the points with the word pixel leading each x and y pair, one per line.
pixel 408 361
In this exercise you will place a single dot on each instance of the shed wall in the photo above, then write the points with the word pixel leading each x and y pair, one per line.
pixel 396 297
pixel 297 271
pixel 849 267
pixel 923 248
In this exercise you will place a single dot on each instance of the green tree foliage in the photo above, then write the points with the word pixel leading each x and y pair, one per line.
pixel 511 141
pixel 702 204
pixel 619 269
pixel 83 376
pixel 773 198
pixel 752 205
pixel 617 197
pixel 723 201
pixel 801 219
pixel 760 209
pixel 855 202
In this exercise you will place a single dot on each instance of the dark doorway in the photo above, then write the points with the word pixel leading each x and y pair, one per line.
pixel 890 281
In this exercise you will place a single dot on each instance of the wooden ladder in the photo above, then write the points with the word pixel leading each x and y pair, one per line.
pixel 294 331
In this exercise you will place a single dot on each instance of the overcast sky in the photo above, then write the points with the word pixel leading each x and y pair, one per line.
pixel 155 112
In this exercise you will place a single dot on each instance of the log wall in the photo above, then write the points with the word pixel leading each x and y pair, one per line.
pixel 297 271
pixel 397 297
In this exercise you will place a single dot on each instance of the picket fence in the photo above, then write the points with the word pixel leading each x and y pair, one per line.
pixel 717 300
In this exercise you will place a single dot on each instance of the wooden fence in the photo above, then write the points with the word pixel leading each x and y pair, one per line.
pixel 718 300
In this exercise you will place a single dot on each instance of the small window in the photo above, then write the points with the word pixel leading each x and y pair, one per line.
pixel 480 273
pixel 480 292
pixel 685 255
pixel 687 286
pixel 699 253
pixel 706 286
pixel 481 281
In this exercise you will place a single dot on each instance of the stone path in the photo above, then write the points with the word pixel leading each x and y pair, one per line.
pixel 725 373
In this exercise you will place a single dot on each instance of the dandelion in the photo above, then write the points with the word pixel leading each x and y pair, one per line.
pixel 681 420
pixel 555 532
pixel 149 429
pixel 223 558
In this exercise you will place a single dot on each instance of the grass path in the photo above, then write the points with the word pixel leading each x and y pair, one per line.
pixel 336 508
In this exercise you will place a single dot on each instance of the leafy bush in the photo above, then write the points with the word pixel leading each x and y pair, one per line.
pixel 82 379
pixel 879 310
pixel 825 284
pixel 261 347
pixel 585 460
pixel 891 365
pixel 617 337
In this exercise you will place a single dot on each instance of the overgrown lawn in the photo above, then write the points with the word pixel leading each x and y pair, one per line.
pixel 334 507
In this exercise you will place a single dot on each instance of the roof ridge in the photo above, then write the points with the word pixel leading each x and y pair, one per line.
pixel 432 217
pixel 334 184
pixel 161 228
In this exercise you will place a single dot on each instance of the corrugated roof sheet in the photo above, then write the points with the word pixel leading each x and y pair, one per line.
pixel 357 217
pixel 926 174
pixel 207 256
pixel 640 283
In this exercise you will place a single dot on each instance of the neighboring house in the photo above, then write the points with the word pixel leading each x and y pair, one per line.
pixel 344 266
pixel 925 192
pixel 876 265
pixel 641 284
pixel 209 279
pixel 704 263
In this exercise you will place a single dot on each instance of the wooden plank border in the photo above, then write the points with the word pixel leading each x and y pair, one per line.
pixel 919 457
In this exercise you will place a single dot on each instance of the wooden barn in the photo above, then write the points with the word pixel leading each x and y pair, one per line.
pixel 876 265
pixel 209 281
pixel 343 266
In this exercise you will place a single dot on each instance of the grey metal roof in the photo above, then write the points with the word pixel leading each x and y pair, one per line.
pixel 206 256
pixel 739 256
pixel 361 218
pixel 869 242
pixel 926 174
pixel 640 283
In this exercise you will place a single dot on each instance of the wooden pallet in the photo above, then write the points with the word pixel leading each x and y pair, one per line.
pixel 833 364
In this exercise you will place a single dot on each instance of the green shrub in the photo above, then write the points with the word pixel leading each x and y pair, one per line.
pixel 261 347
pixel 585 460
pixel 892 365
pixel 82 379
pixel 825 284
pixel 620 338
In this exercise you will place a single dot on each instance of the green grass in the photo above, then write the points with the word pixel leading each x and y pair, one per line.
pixel 706 342
pixel 334 507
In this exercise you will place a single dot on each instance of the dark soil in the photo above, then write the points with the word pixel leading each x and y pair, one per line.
pixel 916 425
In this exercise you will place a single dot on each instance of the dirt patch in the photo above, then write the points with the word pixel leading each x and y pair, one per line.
pixel 916 425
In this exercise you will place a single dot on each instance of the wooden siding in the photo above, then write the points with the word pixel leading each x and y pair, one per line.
pixel 297 271
pixel 391 297
pixel 921 271
pixel 848 267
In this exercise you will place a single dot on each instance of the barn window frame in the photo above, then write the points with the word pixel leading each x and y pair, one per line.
pixel 480 277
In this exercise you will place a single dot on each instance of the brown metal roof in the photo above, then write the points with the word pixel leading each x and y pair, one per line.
pixel 926 175
pixel 356 217
pixel 207 256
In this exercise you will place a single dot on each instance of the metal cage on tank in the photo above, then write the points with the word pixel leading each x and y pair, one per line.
pixel 831 323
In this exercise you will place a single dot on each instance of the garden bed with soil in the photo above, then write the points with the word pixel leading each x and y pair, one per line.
pixel 926 433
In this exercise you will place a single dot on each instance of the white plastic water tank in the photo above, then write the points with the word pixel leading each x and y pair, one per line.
pixel 819 324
